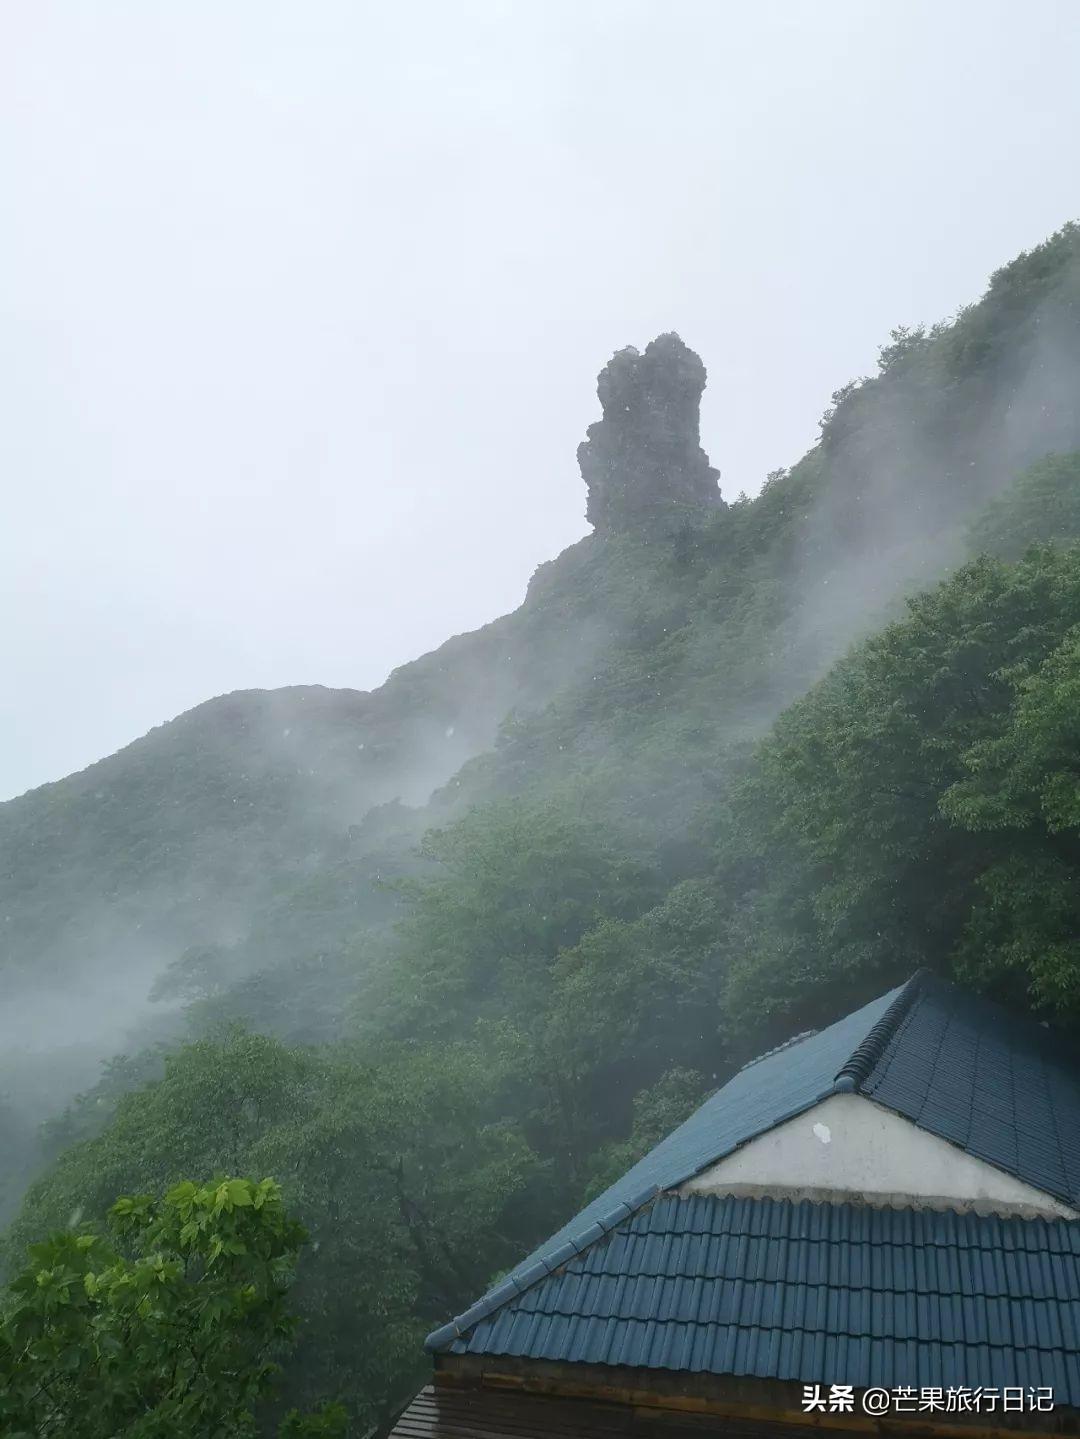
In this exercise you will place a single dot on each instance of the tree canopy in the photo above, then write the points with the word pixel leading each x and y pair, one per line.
pixel 168 1326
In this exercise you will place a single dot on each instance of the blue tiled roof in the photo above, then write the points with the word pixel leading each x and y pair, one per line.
pixel 817 1293
pixel 994 1083
pixel 759 1097
pixel 991 1083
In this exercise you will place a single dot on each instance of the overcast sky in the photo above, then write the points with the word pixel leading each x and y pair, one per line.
pixel 302 304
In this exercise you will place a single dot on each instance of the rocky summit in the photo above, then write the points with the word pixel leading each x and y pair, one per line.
pixel 644 458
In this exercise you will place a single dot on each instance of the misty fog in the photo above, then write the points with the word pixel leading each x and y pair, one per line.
pixel 303 306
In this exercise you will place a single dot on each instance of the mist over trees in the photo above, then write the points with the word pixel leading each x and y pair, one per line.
pixel 445 959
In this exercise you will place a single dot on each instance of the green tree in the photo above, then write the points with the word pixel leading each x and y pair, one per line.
pixel 630 1001
pixel 1023 789
pixel 166 1329
pixel 918 807
pixel 512 884
pixel 413 1187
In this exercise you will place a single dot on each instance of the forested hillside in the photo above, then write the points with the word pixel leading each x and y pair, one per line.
pixel 443 959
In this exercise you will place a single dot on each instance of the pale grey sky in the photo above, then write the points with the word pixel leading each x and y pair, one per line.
pixel 301 304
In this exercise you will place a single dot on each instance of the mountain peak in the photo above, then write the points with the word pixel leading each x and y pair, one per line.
pixel 644 457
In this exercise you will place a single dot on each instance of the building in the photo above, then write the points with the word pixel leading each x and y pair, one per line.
pixel 890 1205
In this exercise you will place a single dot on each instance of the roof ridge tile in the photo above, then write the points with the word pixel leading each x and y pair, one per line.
pixel 853 1074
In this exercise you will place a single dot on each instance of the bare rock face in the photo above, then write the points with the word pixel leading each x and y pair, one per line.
pixel 644 459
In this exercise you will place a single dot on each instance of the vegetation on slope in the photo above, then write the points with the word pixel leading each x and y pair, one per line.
pixel 920 805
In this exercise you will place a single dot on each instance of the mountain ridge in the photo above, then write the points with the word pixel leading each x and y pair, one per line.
pixel 636 659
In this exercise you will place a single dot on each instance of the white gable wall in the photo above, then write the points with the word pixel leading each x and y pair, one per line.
pixel 848 1148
